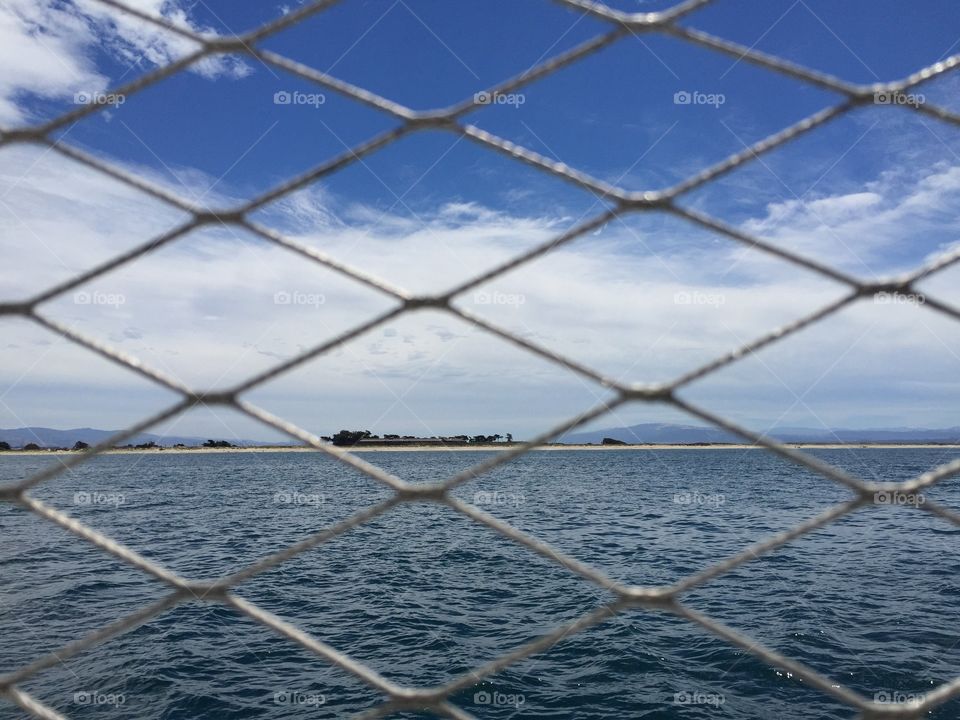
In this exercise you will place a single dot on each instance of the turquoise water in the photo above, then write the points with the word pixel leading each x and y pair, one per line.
pixel 423 594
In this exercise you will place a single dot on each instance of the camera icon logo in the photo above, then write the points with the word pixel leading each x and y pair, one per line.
pixel 482 98
pixel 682 98
pixel 282 97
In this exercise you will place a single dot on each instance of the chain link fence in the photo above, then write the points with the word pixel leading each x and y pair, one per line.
pixel 623 27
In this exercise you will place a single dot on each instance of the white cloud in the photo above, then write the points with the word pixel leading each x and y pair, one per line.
pixel 48 48
pixel 137 42
pixel 898 221
pixel 204 309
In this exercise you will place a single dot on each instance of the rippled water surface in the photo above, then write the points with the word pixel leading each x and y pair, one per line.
pixel 422 594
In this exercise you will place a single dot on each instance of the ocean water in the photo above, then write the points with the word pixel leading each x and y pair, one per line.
pixel 422 594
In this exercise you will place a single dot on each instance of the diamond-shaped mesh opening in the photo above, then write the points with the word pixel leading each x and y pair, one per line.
pixel 120 395
pixel 680 511
pixel 619 26
pixel 269 500
pixel 804 197
pixel 49 221
pixel 409 369
pixel 673 294
pixel 651 133
pixel 255 669
pixel 413 235
pixel 943 285
pixel 438 556
pixel 942 92
pixel 424 59
pixel 800 615
pixel 206 166
pixel 808 386
pixel 247 300
pixel 850 41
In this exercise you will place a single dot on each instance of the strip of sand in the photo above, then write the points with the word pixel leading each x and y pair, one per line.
pixel 486 448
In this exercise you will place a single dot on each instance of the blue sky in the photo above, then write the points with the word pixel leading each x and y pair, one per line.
pixel 874 193
pixel 599 115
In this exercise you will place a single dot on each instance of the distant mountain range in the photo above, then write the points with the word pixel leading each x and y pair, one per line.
pixel 48 437
pixel 656 433
pixel 682 434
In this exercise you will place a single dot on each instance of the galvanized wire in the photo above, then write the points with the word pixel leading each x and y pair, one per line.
pixel 620 202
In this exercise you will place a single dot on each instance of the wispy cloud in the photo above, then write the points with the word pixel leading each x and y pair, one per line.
pixel 642 300
pixel 49 49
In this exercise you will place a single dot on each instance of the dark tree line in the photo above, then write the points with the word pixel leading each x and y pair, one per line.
pixel 80 445
pixel 352 437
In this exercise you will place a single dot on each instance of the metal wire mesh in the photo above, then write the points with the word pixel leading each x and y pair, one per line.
pixel 621 201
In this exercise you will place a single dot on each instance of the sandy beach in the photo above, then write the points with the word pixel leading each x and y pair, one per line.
pixel 487 448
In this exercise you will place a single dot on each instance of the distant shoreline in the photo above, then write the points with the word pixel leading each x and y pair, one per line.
pixel 488 448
